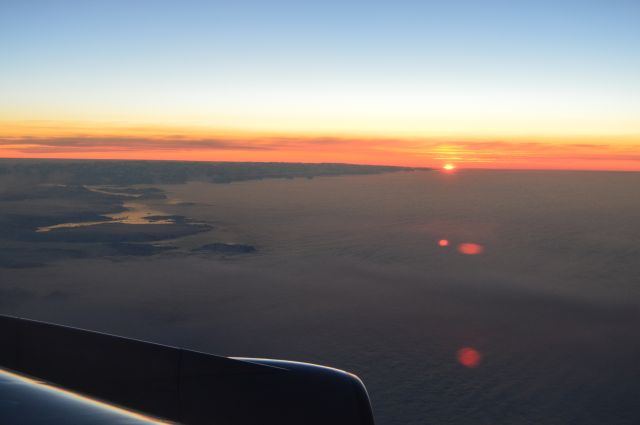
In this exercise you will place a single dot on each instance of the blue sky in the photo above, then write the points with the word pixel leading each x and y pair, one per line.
pixel 417 68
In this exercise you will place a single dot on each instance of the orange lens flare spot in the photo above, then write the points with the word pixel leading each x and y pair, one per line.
pixel 469 357
pixel 443 242
pixel 470 248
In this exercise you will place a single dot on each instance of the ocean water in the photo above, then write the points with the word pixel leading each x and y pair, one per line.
pixel 539 274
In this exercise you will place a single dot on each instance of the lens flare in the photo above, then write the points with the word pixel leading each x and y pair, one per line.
pixel 469 357
pixel 470 248
pixel 443 242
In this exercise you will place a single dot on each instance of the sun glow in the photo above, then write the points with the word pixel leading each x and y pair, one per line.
pixel 155 142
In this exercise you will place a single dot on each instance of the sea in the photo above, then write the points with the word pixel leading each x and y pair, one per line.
pixel 465 297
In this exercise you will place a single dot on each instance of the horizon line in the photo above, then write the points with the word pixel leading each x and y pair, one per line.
pixel 413 168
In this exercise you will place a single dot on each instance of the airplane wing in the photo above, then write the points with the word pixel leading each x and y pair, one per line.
pixel 84 377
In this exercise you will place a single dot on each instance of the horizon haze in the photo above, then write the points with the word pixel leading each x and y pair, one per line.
pixel 491 84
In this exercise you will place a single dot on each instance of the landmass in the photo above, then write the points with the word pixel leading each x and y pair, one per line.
pixel 76 209
pixel 226 248
pixel 124 173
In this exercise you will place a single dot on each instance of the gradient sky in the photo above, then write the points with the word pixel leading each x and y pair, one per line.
pixel 524 84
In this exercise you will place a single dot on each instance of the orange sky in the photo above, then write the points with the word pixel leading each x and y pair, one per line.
pixel 54 140
pixel 542 84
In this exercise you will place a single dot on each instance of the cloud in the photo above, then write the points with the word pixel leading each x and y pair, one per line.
pixel 399 151
pixel 500 151
pixel 39 145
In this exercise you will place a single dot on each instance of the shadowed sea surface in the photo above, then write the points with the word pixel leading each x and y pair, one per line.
pixel 389 276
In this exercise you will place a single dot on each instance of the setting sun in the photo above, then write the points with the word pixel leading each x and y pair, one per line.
pixel 298 92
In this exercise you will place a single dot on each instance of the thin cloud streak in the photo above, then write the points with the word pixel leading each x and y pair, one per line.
pixel 417 152
pixel 105 144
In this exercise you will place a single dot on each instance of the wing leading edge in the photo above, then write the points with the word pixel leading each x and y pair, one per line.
pixel 181 385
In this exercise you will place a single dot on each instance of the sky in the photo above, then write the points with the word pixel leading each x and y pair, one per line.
pixel 490 84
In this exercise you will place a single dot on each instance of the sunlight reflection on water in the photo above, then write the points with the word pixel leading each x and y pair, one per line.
pixel 136 213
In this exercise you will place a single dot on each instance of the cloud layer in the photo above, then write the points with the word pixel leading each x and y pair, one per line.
pixel 415 152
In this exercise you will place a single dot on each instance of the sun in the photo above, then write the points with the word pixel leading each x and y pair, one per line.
pixel 449 167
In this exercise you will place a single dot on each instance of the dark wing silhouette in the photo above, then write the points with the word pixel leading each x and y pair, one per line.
pixel 175 384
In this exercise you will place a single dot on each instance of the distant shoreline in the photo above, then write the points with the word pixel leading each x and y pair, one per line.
pixel 75 160
pixel 129 172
